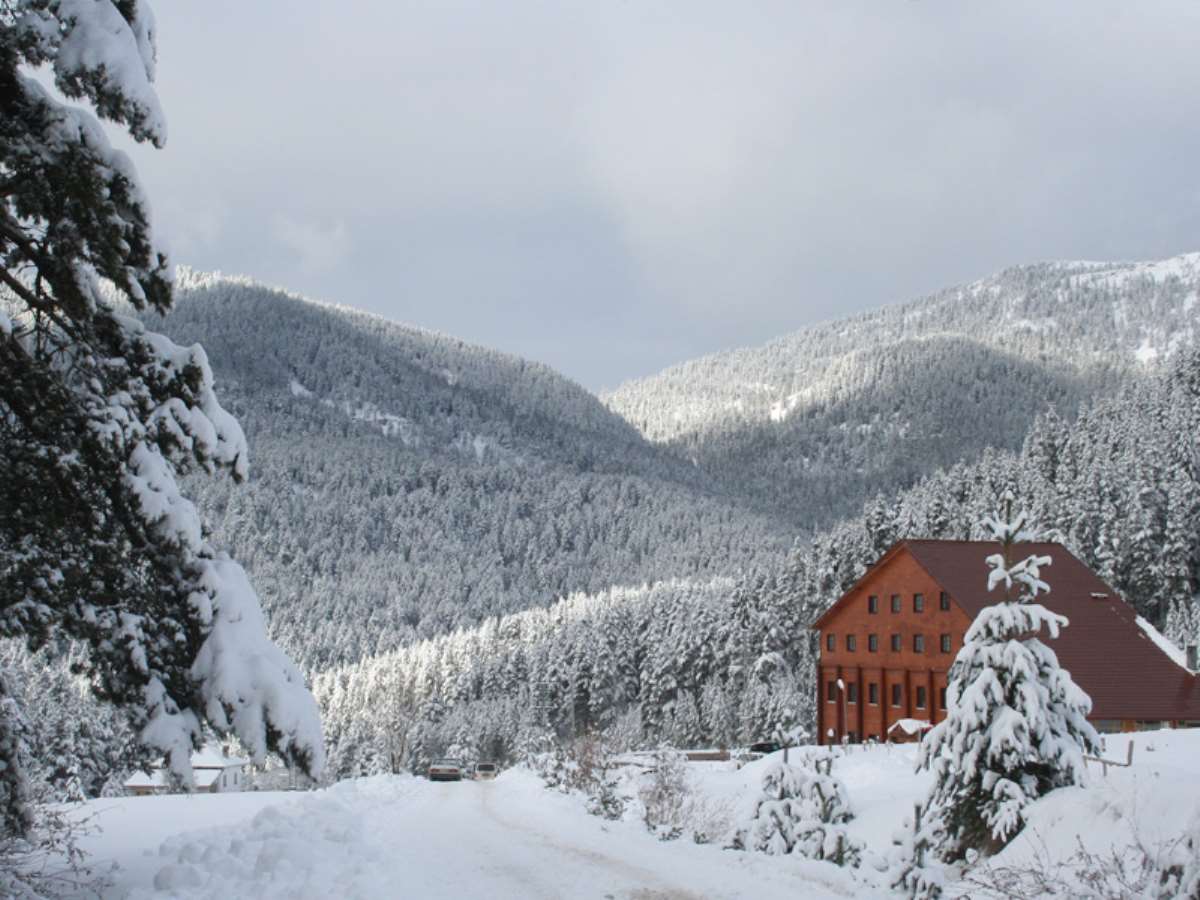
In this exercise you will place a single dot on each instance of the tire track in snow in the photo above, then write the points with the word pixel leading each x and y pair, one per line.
pixel 650 885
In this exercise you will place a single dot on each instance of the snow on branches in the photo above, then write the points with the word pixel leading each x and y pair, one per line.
pixel 1016 726
pixel 98 415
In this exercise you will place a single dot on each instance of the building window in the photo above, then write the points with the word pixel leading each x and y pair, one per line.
pixel 851 643
pixel 918 603
pixel 872 604
pixel 830 642
pixel 895 603
pixel 942 698
pixel 918 643
pixel 896 645
pixel 873 643
pixel 873 694
pixel 945 643
pixel 943 601
pixel 920 698
pixel 852 692
pixel 897 695
pixel 831 691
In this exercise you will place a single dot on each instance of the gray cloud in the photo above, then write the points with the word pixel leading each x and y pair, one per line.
pixel 611 188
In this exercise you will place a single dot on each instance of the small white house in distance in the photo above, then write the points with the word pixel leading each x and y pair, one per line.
pixel 213 770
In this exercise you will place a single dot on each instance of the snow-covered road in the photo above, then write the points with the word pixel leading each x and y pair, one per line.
pixel 405 837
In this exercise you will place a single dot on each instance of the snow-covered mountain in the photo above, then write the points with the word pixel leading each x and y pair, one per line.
pixel 404 483
pixel 811 424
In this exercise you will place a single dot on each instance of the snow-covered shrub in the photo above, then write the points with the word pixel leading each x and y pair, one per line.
pixel 592 769
pixel 665 793
pixel 772 826
pixel 1179 871
pixel 1016 726
pixel 804 811
pixel 706 819
pixel 913 871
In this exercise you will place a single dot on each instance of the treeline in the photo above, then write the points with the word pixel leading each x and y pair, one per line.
pixel 669 662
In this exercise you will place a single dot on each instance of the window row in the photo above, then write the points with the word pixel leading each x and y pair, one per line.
pixel 918 603
pixel 918 643
pixel 851 691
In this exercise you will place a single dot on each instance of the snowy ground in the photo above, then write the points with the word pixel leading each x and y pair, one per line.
pixel 406 837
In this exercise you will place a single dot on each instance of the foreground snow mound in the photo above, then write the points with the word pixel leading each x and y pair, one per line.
pixel 315 846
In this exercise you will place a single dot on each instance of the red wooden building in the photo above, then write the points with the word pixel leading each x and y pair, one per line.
pixel 888 643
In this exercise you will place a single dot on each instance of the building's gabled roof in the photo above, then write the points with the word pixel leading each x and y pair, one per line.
pixel 207 765
pixel 1108 653
pixel 157 778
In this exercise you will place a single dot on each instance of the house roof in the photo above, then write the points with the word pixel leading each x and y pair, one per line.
pixel 157 778
pixel 207 765
pixel 1109 652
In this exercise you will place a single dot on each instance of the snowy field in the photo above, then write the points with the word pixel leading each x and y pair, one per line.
pixel 397 836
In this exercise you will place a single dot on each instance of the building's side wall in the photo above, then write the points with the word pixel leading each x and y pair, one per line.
pixel 915 676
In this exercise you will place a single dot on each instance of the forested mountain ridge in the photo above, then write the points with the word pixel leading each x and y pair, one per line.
pixel 404 483
pixel 812 424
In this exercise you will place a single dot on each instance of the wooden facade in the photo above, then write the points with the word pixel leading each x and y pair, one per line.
pixel 887 645
pixel 889 642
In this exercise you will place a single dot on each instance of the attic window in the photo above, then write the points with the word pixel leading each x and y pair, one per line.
pixel 1096 595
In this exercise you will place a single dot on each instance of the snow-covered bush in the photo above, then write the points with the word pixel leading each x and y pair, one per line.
pixel 665 793
pixel 1179 872
pixel 913 872
pixel 804 811
pixel 1016 726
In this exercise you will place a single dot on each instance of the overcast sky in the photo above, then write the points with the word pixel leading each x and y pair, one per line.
pixel 612 187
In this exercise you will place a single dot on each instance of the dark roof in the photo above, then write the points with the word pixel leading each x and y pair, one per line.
pixel 1108 654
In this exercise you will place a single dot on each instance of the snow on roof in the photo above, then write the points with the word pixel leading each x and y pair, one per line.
pixel 909 726
pixel 207 765
pixel 204 778
pixel 211 757
pixel 1163 643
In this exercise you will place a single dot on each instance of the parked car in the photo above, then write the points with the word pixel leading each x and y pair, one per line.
pixel 446 770
pixel 765 747
pixel 486 771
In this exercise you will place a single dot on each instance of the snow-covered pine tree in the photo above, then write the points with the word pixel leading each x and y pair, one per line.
pixel 771 827
pixel 824 811
pixel 803 810
pixel 98 414
pixel 1016 726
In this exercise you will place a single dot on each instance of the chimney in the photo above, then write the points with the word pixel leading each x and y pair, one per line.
pixel 1191 658
pixel 225 748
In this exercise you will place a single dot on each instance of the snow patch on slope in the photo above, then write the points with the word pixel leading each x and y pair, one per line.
pixel 299 390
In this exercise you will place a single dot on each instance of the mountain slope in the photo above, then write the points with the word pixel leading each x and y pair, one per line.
pixel 404 483
pixel 813 423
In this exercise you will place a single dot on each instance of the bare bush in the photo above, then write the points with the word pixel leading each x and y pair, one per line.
pixel 1120 873
pixel 664 795
pixel 48 862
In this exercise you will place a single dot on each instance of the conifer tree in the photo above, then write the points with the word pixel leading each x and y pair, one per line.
pixel 1016 726
pixel 98 415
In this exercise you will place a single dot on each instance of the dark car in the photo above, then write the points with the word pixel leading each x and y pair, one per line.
pixel 762 748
